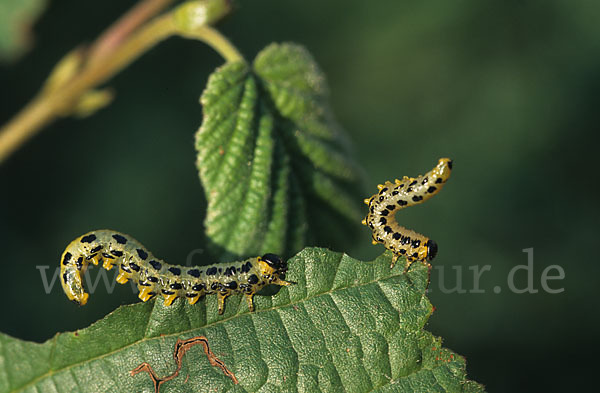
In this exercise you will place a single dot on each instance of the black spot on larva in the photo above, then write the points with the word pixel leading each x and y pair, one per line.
pixel 79 263
pixel 194 273
pixel 152 279
pixel 230 271
pixel 246 267
pixel 409 189
pixel 65 277
pixel 220 270
pixel 107 255
pixel 417 198
pixel 384 212
pixel 431 189
pixel 450 164
pixel 67 258
pixel 91 256
pixel 382 221
pixel 395 192
pixel 215 285
pixel 120 238
pixel 405 240
pixel 400 186
pixel 175 270
pixel 438 180
pixel 198 287
pixel 96 249
pixel 134 267
pixel 125 268
pixel 116 253
pixel 402 202
pixel 253 279
pixel 142 254
pixel 371 225
pixel 175 285
pixel 402 251
pixel 397 236
pixel 156 265
pixel 390 207
pixel 424 181
pixel 412 183
pixel 383 190
pixel 143 283
pixel 416 243
pixel 380 199
pixel 191 295
pixel 167 292
pixel 211 271
pixel 231 285
pixel 387 229
pixel 88 238
pixel 414 255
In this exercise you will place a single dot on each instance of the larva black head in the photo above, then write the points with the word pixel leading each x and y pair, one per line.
pixel 432 249
pixel 275 262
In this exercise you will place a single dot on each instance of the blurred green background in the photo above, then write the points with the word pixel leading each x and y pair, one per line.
pixel 508 89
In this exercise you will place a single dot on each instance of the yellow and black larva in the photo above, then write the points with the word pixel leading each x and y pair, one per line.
pixel 398 195
pixel 153 276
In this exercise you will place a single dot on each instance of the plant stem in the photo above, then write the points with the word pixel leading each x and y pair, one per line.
pixel 217 41
pixel 124 26
pixel 47 106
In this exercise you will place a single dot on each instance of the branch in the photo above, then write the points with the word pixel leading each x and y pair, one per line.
pixel 127 24
pixel 73 77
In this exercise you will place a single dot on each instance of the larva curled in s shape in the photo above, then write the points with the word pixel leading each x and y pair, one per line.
pixel 154 276
pixel 398 195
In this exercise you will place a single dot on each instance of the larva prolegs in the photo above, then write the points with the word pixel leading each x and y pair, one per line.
pixel 155 277
pixel 396 196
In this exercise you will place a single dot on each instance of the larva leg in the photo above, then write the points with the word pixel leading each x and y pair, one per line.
pixel 145 293
pixel 250 300
pixel 193 300
pixel 108 263
pixel 409 263
pixel 279 281
pixel 221 300
pixel 169 299
pixel 123 277
pixel 394 260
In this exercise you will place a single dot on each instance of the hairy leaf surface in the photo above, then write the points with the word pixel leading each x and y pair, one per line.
pixel 345 326
pixel 272 160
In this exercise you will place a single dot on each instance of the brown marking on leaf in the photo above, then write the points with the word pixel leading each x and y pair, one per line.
pixel 181 347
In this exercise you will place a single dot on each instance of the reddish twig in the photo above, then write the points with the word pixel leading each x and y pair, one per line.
pixel 124 26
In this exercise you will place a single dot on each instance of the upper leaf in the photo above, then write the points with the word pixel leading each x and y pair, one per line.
pixel 270 155
pixel 345 325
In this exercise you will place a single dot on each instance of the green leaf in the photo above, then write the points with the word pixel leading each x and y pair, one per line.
pixel 271 158
pixel 16 18
pixel 345 325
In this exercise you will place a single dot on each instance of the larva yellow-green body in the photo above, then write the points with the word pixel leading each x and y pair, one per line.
pixel 398 195
pixel 154 276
